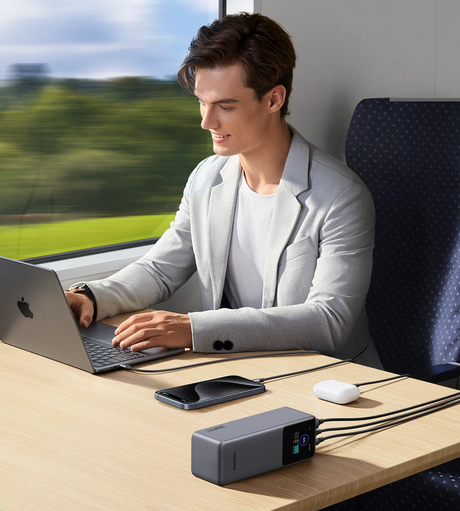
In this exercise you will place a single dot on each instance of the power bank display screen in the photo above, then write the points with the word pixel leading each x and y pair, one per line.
pixel 299 441
pixel 209 392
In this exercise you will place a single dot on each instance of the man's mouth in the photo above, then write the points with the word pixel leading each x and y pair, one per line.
pixel 219 137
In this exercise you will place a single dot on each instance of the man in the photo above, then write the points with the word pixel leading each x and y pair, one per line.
pixel 279 233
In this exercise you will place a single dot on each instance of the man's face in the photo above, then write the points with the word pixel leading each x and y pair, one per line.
pixel 237 120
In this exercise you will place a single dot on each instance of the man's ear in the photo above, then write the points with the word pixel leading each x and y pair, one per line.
pixel 277 97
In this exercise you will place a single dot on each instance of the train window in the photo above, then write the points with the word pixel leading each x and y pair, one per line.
pixel 97 138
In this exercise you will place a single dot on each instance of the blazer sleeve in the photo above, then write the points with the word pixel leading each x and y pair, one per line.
pixel 324 317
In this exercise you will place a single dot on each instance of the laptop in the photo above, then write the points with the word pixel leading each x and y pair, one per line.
pixel 35 316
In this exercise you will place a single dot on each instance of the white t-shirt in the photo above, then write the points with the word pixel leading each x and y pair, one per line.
pixel 251 227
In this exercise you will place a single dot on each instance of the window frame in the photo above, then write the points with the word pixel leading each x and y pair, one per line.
pixel 93 266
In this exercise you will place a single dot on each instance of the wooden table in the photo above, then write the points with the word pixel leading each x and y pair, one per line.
pixel 73 441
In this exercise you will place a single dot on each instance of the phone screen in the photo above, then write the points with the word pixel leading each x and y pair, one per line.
pixel 209 392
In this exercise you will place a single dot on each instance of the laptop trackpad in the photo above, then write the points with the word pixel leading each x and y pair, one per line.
pixel 99 331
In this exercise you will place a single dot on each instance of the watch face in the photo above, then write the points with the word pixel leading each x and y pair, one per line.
pixel 80 288
pixel 75 287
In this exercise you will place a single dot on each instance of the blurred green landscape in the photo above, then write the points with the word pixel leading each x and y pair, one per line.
pixel 85 163
pixel 33 240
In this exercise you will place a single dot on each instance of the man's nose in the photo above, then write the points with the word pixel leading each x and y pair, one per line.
pixel 209 119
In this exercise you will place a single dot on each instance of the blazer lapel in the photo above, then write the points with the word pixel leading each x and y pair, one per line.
pixel 294 181
pixel 220 221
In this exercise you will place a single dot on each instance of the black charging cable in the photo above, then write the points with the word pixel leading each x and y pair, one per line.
pixel 245 357
pixel 382 381
pixel 278 376
pixel 387 414
pixel 261 380
pixel 208 362
pixel 419 410
pixel 400 416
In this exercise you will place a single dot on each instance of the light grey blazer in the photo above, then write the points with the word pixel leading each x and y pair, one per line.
pixel 317 269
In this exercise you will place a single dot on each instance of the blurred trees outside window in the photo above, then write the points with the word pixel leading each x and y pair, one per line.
pixel 87 162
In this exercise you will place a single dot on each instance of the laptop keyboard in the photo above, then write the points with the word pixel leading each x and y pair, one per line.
pixel 102 355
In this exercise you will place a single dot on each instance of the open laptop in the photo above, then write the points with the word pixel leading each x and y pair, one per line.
pixel 35 316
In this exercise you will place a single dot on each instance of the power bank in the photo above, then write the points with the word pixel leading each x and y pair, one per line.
pixel 209 392
pixel 233 451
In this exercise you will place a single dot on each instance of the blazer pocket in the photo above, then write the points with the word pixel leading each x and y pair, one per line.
pixel 297 249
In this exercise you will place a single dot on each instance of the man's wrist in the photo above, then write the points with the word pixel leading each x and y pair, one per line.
pixel 84 289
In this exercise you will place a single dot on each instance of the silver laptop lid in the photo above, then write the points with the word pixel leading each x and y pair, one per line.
pixel 34 314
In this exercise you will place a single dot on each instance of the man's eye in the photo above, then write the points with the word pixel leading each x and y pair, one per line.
pixel 226 108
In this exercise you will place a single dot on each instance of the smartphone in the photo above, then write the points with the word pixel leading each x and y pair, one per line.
pixel 209 392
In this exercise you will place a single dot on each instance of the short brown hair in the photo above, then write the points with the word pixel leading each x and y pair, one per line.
pixel 263 47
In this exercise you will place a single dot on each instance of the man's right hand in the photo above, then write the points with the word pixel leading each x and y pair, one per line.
pixel 82 307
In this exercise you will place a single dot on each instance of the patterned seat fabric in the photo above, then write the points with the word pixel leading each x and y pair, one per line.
pixel 408 154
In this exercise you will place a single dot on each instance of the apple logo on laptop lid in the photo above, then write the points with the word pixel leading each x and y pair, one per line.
pixel 25 309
